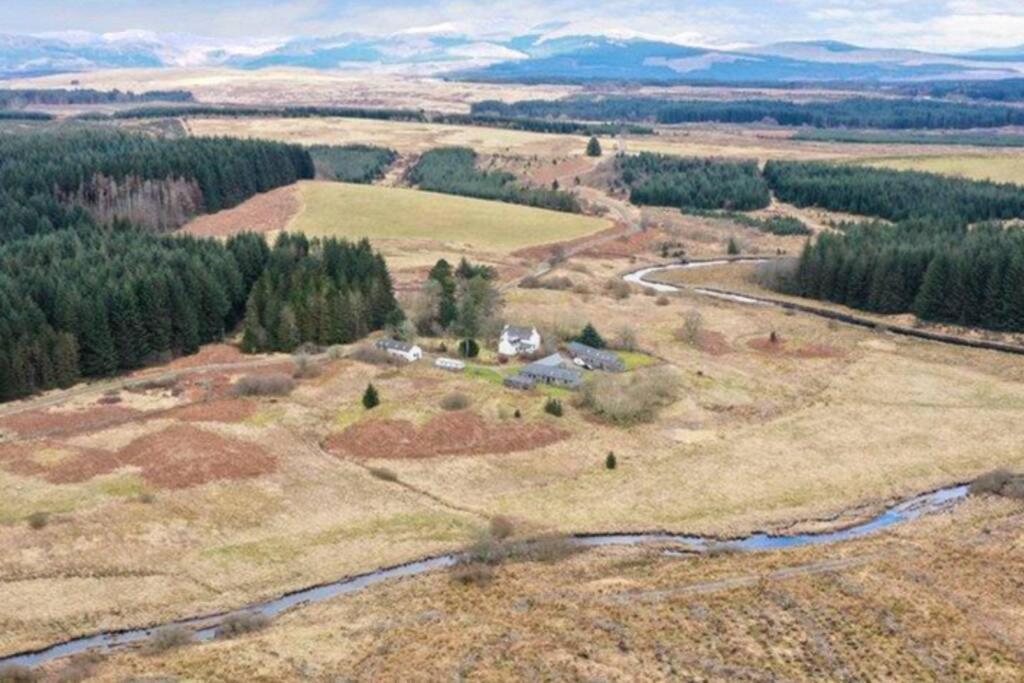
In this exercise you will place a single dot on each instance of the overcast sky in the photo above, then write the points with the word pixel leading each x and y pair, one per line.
pixel 946 25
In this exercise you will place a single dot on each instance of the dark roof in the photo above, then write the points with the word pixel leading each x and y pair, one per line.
pixel 548 372
pixel 519 381
pixel 590 353
pixel 395 345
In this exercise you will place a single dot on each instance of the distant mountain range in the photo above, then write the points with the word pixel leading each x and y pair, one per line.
pixel 549 53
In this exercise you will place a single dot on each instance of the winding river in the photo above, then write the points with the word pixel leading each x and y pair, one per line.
pixel 205 627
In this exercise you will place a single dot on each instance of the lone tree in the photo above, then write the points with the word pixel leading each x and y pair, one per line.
pixel 591 337
pixel 469 348
pixel 611 462
pixel 371 399
pixel 593 147
pixel 734 248
pixel 554 407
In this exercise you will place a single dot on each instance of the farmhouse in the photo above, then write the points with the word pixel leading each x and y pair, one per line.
pixel 516 340
pixel 553 371
pixel 595 359
pixel 409 352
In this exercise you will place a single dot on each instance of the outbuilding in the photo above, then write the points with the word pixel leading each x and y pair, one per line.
pixel 401 349
pixel 595 359
pixel 517 340
pixel 450 364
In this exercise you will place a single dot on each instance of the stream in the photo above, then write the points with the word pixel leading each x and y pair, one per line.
pixel 205 627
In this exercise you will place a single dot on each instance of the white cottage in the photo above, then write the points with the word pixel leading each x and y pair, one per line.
pixel 519 340
pixel 405 350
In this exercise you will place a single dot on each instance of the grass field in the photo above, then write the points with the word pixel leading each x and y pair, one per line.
pixel 383 213
pixel 1003 168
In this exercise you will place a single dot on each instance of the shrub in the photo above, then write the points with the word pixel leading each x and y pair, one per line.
pixel 14 673
pixel 38 520
pixel 625 339
pixel 305 367
pixel 169 638
pixel 147 498
pixel 733 248
pixel 469 348
pixel 264 385
pixel 626 399
pixel 472 573
pixel 168 382
pixel 371 399
pixel 108 399
pixel 593 147
pixel 242 623
pixel 383 474
pixel 662 300
pixel 455 401
pixel 618 289
pixel 554 407
pixel 501 527
pixel 371 355
pixel 611 462
pixel 518 414
pixel 999 483
pixel 693 324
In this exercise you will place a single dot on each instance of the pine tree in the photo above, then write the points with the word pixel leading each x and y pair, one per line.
pixel 594 147
pixel 590 336
pixel 611 462
pixel 370 397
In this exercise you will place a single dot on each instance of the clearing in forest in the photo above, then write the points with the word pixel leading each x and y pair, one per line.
pixel 356 211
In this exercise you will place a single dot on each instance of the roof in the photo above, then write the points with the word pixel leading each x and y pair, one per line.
pixel 559 374
pixel 555 360
pixel 514 332
pixel 589 352
pixel 395 345
pixel 519 381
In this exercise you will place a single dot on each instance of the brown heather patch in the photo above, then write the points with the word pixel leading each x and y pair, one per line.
pixel 226 411
pixel 35 424
pixel 178 457
pixel 713 343
pixel 782 348
pixel 265 212
pixel 457 433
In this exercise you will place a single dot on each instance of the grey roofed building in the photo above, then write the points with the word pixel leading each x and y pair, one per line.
pixel 559 376
pixel 596 359
pixel 555 360
pixel 395 345
pixel 519 382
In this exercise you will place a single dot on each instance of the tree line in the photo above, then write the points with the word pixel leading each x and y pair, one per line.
pixel 320 291
pixel 693 183
pixel 78 166
pixel 485 119
pixel 947 258
pixel 857 112
pixel 892 195
pixel 84 299
pixel 453 170
pixel 22 97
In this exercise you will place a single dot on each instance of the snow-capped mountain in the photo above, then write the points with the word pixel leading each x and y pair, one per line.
pixel 552 51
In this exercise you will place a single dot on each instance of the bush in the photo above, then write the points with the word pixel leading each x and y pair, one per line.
pixel 371 355
pixel 264 385
pixel 469 348
pixel 455 401
pixel 14 673
pixel 999 482
pixel 554 407
pixel 693 324
pixel 733 248
pixel 593 147
pixel 383 474
pixel 611 462
pixel 147 498
pixel 472 573
pixel 662 300
pixel 169 638
pixel 168 382
pixel 38 520
pixel 242 623
pixel 618 289
pixel 371 399
pixel 625 339
pixel 305 368
pixel 501 528
pixel 627 399
pixel 518 414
